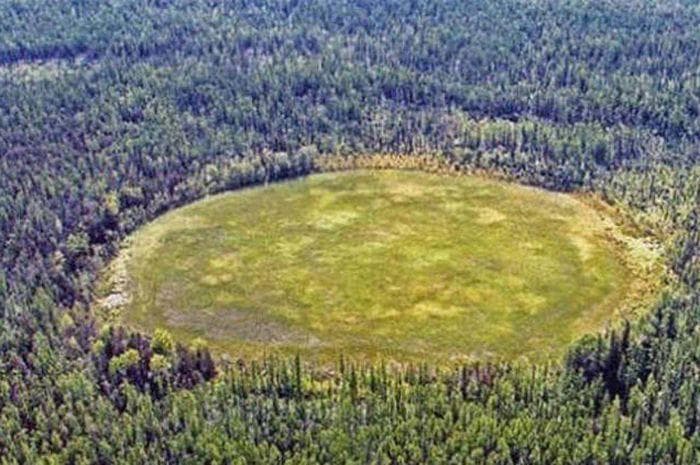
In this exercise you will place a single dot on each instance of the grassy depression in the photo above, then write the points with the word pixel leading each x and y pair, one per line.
pixel 392 264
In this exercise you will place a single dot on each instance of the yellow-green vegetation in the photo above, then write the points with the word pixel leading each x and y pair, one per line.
pixel 400 265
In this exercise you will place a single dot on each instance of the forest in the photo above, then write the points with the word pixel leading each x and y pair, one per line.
pixel 114 112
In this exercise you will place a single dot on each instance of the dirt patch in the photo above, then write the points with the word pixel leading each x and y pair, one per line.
pixel 114 301
pixel 112 290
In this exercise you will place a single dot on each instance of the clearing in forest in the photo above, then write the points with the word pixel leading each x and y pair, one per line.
pixel 400 265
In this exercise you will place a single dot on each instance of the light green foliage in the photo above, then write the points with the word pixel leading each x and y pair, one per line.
pixel 162 342
pixel 111 204
pixel 198 343
pixel 66 321
pixel 121 362
pixel 391 264
pixel 78 244
pixel 159 363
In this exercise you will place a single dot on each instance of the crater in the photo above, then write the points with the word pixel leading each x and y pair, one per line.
pixel 384 264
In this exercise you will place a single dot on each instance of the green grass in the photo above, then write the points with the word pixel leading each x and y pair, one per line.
pixel 400 265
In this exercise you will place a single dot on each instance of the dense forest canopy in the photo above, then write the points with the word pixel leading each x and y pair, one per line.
pixel 112 112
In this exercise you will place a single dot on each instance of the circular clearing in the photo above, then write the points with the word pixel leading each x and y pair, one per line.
pixel 400 265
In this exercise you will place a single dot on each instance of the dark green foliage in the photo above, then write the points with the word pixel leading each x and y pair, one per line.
pixel 112 112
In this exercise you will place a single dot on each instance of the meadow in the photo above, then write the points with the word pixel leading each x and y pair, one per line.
pixel 383 264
